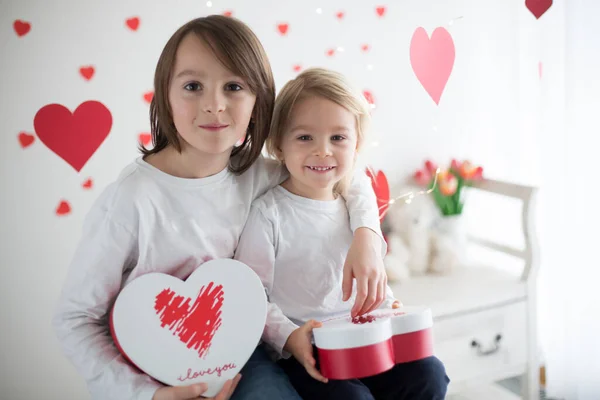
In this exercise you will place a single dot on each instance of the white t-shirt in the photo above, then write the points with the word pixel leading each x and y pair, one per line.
pixel 149 221
pixel 298 247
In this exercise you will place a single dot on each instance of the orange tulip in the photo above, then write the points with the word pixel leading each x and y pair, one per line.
pixel 447 183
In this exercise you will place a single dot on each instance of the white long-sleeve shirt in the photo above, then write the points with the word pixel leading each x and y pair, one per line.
pixel 298 246
pixel 149 221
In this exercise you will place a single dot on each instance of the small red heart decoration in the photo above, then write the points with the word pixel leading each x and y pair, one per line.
pixel 365 47
pixel 282 28
pixel 76 136
pixel 340 15
pixel 330 52
pixel 88 183
pixel 87 72
pixel 382 190
pixel 380 11
pixel 432 60
pixel 145 138
pixel 148 97
pixel 297 68
pixel 228 13
pixel 63 208
pixel 538 7
pixel 26 139
pixel 133 23
pixel 369 96
pixel 21 28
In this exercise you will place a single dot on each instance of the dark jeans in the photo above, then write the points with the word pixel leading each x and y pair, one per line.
pixel 263 379
pixel 418 380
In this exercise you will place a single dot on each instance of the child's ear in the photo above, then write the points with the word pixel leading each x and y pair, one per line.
pixel 279 155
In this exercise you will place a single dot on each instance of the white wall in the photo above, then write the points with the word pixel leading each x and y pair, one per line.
pixel 482 115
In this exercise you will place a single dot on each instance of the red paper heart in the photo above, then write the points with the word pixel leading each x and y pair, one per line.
pixel 340 15
pixel 228 13
pixel 26 139
pixel 297 68
pixel 145 138
pixel 382 190
pixel 282 28
pixel 538 7
pixel 76 136
pixel 365 47
pixel 63 208
pixel 195 324
pixel 148 97
pixel 133 23
pixel 432 59
pixel 369 96
pixel 330 52
pixel 87 72
pixel 380 11
pixel 88 184
pixel 21 28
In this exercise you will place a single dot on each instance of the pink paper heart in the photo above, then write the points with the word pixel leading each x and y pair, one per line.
pixel 432 60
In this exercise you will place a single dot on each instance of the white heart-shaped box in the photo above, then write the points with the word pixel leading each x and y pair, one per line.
pixel 200 330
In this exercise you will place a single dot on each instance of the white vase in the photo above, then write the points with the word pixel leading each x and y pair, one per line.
pixel 449 244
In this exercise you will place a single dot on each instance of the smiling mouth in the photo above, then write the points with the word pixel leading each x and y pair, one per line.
pixel 215 127
pixel 320 169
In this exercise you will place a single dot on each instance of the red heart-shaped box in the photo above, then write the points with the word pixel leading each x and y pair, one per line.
pixel 203 329
pixel 374 343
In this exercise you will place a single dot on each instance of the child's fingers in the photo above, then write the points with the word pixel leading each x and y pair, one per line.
pixel 396 304
pixel 312 371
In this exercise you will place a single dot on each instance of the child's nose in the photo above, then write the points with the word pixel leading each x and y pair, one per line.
pixel 213 103
pixel 323 150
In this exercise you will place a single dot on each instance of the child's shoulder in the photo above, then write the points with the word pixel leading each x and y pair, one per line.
pixel 121 197
pixel 270 202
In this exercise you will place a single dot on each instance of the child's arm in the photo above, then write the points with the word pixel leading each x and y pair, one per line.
pixel 256 248
pixel 102 257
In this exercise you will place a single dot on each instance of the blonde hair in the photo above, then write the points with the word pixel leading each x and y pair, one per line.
pixel 323 83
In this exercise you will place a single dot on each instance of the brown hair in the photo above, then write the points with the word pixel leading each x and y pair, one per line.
pixel 327 84
pixel 240 51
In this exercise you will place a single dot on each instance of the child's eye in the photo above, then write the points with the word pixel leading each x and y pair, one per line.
pixel 337 137
pixel 234 87
pixel 304 137
pixel 192 86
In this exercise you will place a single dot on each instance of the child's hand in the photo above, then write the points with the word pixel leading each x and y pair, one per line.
pixel 396 304
pixel 298 343
pixel 194 392
pixel 365 264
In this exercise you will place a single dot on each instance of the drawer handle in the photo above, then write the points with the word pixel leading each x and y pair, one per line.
pixel 486 352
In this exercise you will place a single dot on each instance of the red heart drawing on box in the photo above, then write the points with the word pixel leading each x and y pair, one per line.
pixel 382 190
pixel 538 7
pixel 87 72
pixel 26 139
pixel 432 60
pixel 181 333
pixel 76 136
pixel 133 23
pixel 21 28
pixel 282 28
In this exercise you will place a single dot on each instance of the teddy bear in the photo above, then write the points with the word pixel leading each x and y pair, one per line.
pixel 415 245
